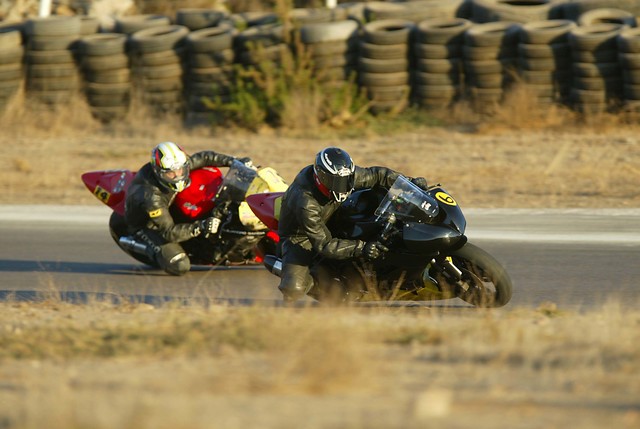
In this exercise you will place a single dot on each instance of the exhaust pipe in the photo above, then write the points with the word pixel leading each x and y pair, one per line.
pixel 273 264
pixel 133 245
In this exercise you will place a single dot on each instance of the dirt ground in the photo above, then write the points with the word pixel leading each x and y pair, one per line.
pixel 509 371
pixel 504 163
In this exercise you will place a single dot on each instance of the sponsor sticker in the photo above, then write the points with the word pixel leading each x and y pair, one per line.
pixel 446 198
pixel 101 194
pixel 155 213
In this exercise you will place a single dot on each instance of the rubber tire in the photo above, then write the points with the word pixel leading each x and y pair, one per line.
pixel 493 269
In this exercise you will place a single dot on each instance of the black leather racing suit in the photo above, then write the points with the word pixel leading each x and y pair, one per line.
pixel 303 231
pixel 148 218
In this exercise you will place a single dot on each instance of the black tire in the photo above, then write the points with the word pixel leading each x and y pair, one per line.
pixel 480 268
pixel 210 40
pixel 198 18
pixel 103 44
pixel 442 31
pixel 388 32
pixel 546 32
pixel 515 11
pixel 133 23
pixel 607 15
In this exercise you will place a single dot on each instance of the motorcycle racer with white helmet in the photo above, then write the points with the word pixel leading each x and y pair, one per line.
pixel 148 200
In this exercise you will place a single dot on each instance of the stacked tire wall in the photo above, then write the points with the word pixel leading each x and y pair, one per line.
pixel 52 76
pixel 107 76
pixel 628 43
pixel 438 61
pixel 11 57
pixel 544 59
pixel 385 64
pixel 429 53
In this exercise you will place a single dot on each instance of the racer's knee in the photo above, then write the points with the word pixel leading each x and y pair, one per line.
pixel 174 260
pixel 295 282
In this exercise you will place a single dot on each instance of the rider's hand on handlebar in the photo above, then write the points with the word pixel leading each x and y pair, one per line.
pixel 208 226
pixel 247 162
pixel 421 183
pixel 373 250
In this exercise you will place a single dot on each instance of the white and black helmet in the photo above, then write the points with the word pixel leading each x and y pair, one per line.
pixel 334 171
pixel 171 166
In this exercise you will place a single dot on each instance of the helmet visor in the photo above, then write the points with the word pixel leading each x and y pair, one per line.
pixel 338 184
pixel 175 176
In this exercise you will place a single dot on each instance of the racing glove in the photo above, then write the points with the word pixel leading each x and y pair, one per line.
pixel 206 226
pixel 246 161
pixel 420 182
pixel 373 250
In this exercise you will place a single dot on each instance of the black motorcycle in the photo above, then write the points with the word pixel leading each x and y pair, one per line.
pixel 429 257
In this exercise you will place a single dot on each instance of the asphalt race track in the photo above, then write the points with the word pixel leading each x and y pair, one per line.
pixel 574 258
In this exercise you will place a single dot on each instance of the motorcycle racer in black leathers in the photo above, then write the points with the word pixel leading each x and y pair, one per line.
pixel 315 194
pixel 148 200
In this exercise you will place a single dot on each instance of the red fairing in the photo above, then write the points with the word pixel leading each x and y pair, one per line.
pixel 198 197
pixel 109 186
pixel 266 207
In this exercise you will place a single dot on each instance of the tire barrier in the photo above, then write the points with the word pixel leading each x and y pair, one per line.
pixel 628 44
pixel 259 44
pixel 133 23
pixel 489 58
pixel 332 50
pixel 384 64
pixel 199 18
pixel 597 78
pixel 606 16
pixel 105 65
pixel 573 9
pixel 157 64
pixel 544 59
pixel 52 76
pixel 210 73
pixel 518 11
pixel 11 56
pixel 437 53
pixel 416 10
pixel 430 53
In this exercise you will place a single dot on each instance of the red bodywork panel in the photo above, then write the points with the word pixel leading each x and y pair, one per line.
pixel 266 207
pixel 197 199
pixel 109 186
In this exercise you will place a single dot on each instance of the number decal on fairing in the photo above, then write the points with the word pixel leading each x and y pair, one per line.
pixel 446 198
pixel 101 194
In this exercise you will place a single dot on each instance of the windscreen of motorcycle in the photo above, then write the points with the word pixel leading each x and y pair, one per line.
pixel 236 182
pixel 406 201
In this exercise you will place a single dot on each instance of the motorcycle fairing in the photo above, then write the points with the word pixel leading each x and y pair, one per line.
pixel 421 238
pixel 266 207
pixel 450 212
pixel 197 200
pixel 109 186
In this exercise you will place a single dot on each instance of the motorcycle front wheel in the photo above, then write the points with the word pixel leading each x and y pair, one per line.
pixel 484 282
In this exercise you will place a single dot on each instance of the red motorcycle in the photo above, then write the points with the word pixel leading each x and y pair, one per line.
pixel 242 238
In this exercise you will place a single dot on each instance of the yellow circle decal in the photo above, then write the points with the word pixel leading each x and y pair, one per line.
pixel 446 198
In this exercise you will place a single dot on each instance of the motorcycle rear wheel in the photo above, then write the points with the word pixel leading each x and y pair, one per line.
pixel 488 283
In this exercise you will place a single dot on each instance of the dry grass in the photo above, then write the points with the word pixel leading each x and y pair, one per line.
pixel 136 366
pixel 520 156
